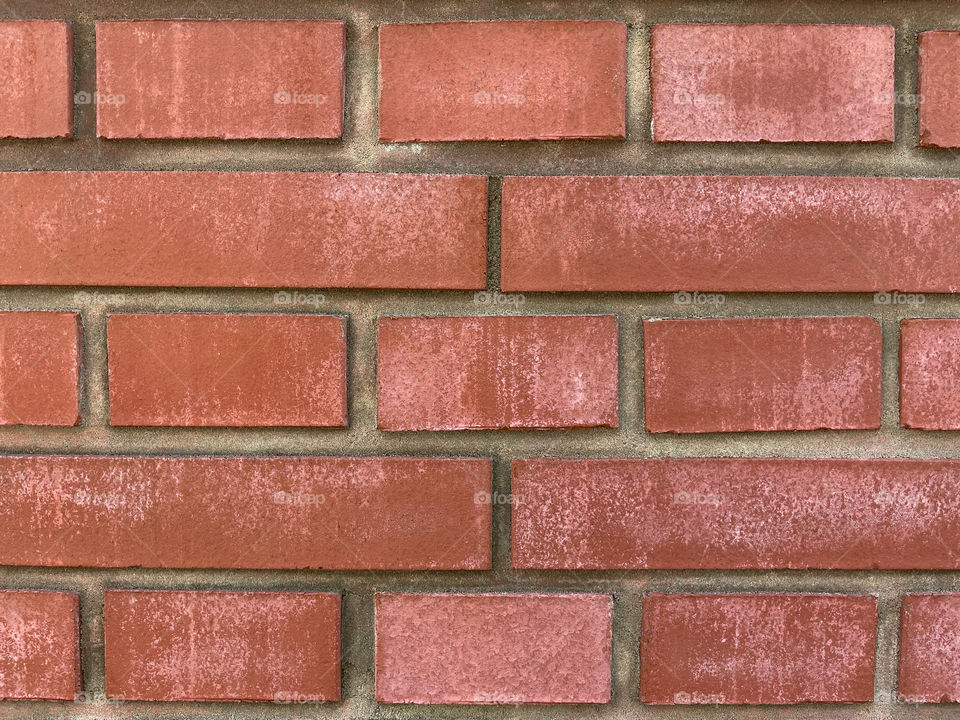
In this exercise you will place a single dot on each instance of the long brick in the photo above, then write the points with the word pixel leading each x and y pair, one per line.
pixel 493 649
pixel 930 373
pixel 228 370
pixel 742 374
pixel 757 649
pixel 39 645
pixel 216 229
pixel 260 646
pixel 39 368
pixel 345 513
pixel 220 78
pixel 505 80
pixel 736 513
pixel 713 233
pixel 774 83
pixel 36 78
pixel 456 373
pixel 929 649
pixel 939 85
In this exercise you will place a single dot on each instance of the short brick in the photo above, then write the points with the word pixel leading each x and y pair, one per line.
pixel 929 649
pixel 733 374
pixel 930 373
pixel 493 649
pixel 736 514
pixel 939 85
pixel 227 370
pixel 39 368
pixel 506 80
pixel 250 229
pixel 457 373
pixel 36 79
pixel 39 645
pixel 736 234
pixel 773 83
pixel 258 646
pixel 220 78
pixel 345 513
pixel 757 649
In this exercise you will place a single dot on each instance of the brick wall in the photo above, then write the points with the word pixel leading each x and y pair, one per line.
pixel 352 367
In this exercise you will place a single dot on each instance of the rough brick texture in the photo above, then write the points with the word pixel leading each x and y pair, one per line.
pixel 773 234
pixel 36 79
pixel 220 79
pixel 309 512
pixel 497 372
pixel 39 368
pixel 930 374
pixel 266 646
pixel 773 83
pixel 939 85
pixel 234 370
pixel 39 645
pixel 493 649
pixel 757 649
pixel 735 374
pixel 736 513
pixel 503 80
pixel 270 229
pixel 929 649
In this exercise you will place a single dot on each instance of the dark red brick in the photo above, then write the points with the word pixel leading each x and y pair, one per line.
pixel 930 373
pixel 456 373
pixel 493 649
pixel 36 78
pixel 279 513
pixel 939 85
pixel 929 649
pixel 773 83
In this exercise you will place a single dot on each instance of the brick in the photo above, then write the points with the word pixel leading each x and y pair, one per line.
pixel 505 80
pixel 36 79
pixel 220 78
pixel 736 234
pixel 744 374
pixel 939 85
pixel 736 514
pixel 457 373
pixel 930 373
pixel 757 649
pixel 333 513
pixel 39 645
pixel 227 370
pixel 772 83
pixel 493 649
pixel 250 229
pixel 39 368
pixel 929 649
pixel 259 646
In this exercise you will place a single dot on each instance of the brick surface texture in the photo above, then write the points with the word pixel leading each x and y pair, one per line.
pixel 522 359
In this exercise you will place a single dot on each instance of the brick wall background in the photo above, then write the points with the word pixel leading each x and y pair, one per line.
pixel 360 151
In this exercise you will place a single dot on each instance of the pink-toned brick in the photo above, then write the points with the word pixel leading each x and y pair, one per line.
pixel 939 85
pixel 930 373
pixel 929 649
pixel 36 78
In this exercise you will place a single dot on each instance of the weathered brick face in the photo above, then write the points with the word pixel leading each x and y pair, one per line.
pixel 510 358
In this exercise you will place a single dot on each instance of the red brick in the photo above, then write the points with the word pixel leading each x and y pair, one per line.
pixel 39 645
pixel 930 374
pixel 742 374
pixel 260 646
pixel 773 83
pixel 39 368
pixel 939 84
pixel 36 78
pixel 220 78
pixel 712 233
pixel 929 649
pixel 346 513
pixel 458 373
pixel 507 80
pixel 222 229
pixel 493 649
pixel 227 370
pixel 757 649
pixel 736 514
